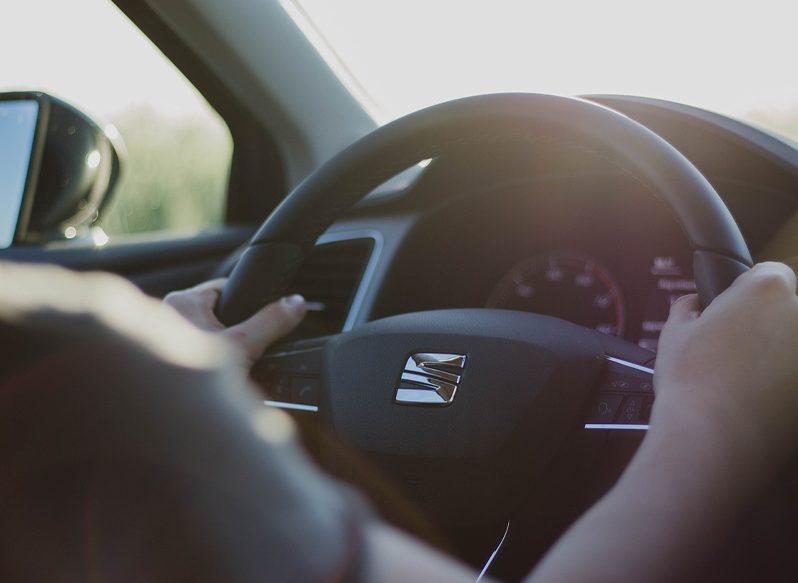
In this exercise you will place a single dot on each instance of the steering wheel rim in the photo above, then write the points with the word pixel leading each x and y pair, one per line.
pixel 267 267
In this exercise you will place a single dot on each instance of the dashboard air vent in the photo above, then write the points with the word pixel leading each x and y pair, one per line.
pixel 329 279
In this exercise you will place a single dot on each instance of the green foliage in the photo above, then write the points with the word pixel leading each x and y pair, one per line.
pixel 174 174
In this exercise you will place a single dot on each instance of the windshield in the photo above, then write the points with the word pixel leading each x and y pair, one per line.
pixel 728 56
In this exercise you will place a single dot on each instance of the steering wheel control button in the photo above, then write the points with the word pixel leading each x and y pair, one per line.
pixel 604 408
pixel 291 378
pixel 625 396
pixel 430 378
pixel 631 409
pixel 305 390
pixel 625 379
pixel 280 388
pixel 304 362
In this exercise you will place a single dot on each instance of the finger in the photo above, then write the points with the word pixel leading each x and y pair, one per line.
pixel 199 303
pixel 203 299
pixel 212 284
pixel 684 309
pixel 779 272
pixel 268 325
pixel 207 289
pixel 196 307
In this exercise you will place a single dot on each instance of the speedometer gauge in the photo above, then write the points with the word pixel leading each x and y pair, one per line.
pixel 566 285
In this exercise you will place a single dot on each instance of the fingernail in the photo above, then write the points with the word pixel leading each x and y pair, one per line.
pixel 295 302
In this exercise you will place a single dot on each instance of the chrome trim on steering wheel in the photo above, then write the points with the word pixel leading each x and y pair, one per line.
pixel 291 406
pixel 618 426
pixel 628 364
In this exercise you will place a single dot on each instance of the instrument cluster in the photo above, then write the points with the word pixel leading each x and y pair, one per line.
pixel 579 288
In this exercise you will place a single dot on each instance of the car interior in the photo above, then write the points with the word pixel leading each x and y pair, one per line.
pixel 486 279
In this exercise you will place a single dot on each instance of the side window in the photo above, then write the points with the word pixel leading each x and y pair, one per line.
pixel 88 53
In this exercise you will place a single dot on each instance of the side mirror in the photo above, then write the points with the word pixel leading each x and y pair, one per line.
pixel 57 169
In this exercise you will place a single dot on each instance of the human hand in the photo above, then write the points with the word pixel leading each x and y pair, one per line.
pixel 724 421
pixel 727 378
pixel 252 336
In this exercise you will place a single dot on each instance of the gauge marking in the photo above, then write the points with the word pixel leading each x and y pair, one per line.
pixel 564 284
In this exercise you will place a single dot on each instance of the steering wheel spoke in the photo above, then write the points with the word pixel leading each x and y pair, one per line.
pixel 291 375
pixel 623 398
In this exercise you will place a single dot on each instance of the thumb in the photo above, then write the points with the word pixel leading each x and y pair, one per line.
pixel 268 325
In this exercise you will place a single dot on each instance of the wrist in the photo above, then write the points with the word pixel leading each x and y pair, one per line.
pixel 703 452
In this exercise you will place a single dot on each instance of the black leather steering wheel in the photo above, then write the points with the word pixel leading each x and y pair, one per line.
pixel 522 379
pixel 267 266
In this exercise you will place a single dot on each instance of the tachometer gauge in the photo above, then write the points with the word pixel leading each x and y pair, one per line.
pixel 567 285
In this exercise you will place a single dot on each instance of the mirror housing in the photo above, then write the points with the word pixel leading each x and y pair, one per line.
pixel 62 168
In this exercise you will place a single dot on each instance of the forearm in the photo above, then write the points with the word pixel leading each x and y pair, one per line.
pixel 396 557
pixel 670 509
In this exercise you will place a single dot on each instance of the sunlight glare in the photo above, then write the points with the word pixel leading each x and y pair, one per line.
pixel 98 237
pixel 129 72
pixel 729 56
pixel 93 159
pixel 111 132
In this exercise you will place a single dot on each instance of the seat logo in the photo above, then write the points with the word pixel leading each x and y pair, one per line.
pixel 430 378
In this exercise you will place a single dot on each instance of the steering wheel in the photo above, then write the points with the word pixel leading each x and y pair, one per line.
pixel 473 402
